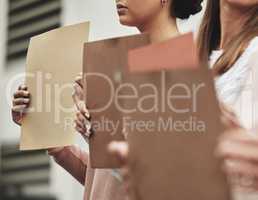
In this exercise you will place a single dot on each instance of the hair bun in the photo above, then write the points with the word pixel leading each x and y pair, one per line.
pixel 184 8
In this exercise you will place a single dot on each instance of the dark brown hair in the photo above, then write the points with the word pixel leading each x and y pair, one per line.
pixel 184 8
pixel 210 36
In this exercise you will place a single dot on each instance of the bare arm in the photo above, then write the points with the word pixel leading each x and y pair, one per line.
pixel 73 160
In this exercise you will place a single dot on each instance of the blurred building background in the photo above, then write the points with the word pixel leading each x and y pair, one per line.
pixel 33 175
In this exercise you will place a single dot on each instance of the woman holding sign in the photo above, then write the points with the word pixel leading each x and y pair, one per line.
pixel 149 16
pixel 228 39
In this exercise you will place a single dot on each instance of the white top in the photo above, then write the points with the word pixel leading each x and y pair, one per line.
pixel 232 86
pixel 237 88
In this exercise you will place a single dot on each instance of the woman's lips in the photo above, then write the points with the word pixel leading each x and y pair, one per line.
pixel 121 9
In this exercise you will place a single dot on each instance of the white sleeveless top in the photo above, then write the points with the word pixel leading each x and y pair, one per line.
pixel 233 84
pixel 237 88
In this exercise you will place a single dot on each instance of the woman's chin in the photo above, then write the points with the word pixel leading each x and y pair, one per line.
pixel 125 21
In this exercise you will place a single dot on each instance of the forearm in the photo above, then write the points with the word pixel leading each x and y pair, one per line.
pixel 73 160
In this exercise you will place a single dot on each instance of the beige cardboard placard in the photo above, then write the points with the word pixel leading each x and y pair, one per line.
pixel 173 134
pixel 53 61
pixel 105 68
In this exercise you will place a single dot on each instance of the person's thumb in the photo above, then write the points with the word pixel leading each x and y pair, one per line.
pixel 120 151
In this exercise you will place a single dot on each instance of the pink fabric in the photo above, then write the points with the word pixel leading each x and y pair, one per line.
pixel 99 183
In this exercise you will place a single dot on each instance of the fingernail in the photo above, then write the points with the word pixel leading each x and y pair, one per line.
pixel 24 106
pixel 74 88
pixel 87 125
pixel 87 114
pixel 87 133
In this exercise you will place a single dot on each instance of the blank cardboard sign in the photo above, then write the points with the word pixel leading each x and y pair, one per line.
pixel 173 134
pixel 105 68
pixel 53 61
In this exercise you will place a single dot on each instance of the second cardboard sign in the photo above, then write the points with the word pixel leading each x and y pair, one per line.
pixel 172 142
pixel 105 68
